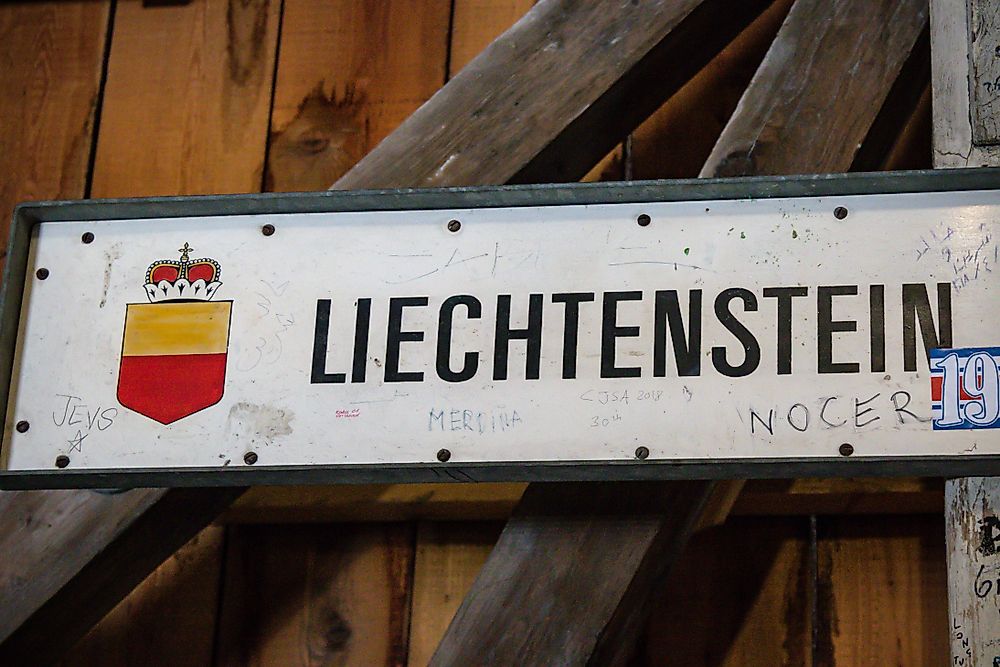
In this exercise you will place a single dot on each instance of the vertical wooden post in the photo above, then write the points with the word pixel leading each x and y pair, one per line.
pixel 973 536
pixel 965 48
pixel 963 89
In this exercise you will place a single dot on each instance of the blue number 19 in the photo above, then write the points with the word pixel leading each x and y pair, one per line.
pixel 980 380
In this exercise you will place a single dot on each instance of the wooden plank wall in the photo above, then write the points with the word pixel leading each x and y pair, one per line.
pixel 130 98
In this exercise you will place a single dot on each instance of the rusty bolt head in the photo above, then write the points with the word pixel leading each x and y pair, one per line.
pixel 22 426
pixel 42 273
pixel 846 449
pixel 454 225
pixel 250 458
pixel 643 220
pixel 267 230
pixel 443 455
pixel 840 213
pixel 62 461
pixel 642 453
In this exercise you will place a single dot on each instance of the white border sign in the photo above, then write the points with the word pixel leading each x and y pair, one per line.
pixel 779 328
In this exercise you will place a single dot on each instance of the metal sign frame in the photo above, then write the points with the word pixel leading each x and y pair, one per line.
pixel 26 216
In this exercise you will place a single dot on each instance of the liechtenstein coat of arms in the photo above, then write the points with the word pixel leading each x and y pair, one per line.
pixel 175 346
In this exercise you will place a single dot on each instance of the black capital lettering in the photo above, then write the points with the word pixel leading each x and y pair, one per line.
pixel 751 347
pixel 917 308
pixel 361 325
pixel 826 326
pixel 395 336
pixel 610 332
pixel 504 334
pixel 687 353
pixel 471 360
pixel 784 295
pixel 571 327
pixel 876 308
pixel 321 339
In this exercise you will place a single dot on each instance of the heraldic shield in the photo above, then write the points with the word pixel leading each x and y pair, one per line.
pixel 175 347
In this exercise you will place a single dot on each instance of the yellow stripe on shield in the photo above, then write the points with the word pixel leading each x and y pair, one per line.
pixel 176 328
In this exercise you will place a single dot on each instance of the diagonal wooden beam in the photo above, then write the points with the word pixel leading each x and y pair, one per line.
pixel 554 94
pixel 537 92
pixel 70 556
pixel 570 587
pixel 815 97
pixel 570 567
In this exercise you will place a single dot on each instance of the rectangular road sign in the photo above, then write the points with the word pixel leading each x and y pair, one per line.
pixel 748 327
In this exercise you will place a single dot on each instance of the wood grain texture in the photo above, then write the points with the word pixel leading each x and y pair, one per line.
pixel 901 104
pixel 545 124
pixel 449 556
pixel 33 527
pixel 953 141
pixel 187 97
pixel 820 87
pixel 476 23
pixel 569 579
pixel 972 533
pixel 739 595
pixel 984 79
pixel 333 594
pixel 349 72
pixel 184 111
pixel 974 624
pixel 179 600
pixel 50 70
pixel 68 557
pixel 71 556
pixel 881 592
pixel 676 140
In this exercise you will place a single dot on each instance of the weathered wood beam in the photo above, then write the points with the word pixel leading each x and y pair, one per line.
pixel 554 93
pixel 67 557
pixel 63 547
pixel 972 536
pixel 804 95
pixel 70 556
pixel 585 603
pixel 959 87
pixel 463 135
pixel 965 43
pixel 571 569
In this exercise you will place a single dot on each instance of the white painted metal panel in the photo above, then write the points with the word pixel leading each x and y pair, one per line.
pixel 68 363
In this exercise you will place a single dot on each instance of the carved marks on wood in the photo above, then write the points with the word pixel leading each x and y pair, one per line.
pixel 984 75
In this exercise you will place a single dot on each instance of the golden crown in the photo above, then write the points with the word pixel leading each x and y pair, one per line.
pixel 184 279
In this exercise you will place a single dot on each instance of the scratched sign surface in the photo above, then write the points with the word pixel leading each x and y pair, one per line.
pixel 749 329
